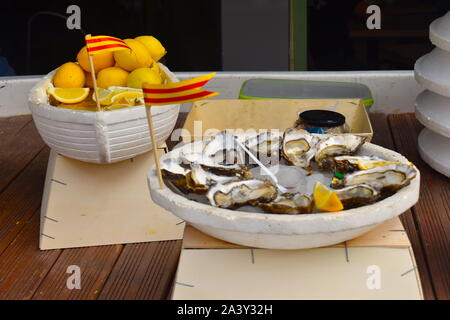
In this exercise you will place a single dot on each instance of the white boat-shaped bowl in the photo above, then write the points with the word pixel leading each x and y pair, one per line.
pixel 278 231
pixel 99 137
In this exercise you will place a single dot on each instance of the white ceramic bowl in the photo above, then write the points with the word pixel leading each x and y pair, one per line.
pixel 275 231
pixel 99 137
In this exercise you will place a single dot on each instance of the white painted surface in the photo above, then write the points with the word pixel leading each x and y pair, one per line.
pixel 14 94
pixel 393 91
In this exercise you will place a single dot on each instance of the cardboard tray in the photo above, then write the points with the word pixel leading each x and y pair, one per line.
pixel 267 114
pixel 210 268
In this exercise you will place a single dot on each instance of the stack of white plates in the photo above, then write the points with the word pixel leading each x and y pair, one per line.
pixel 432 71
pixel 99 137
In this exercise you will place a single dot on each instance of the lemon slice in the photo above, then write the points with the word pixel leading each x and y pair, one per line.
pixel 69 95
pixel 104 96
pixel 126 96
pixel 325 199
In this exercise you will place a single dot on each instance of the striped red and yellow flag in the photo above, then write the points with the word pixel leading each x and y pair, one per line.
pixel 177 92
pixel 99 44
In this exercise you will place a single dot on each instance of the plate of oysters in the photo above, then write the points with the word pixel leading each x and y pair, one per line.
pixel 288 189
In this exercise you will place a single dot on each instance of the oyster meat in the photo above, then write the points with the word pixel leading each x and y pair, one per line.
pixel 289 203
pixel 357 195
pixel 354 163
pixel 336 145
pixel 266 145
pixel 299 147
pixel 200 180
pixel 210 164
pixel 223 149
pixel 388 179
pixel 173 171
pixel 239 193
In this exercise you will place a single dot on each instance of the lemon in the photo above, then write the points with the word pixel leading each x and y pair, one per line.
pixel 69 95
pixel 135 58
pixel 69 75
pixel 154 47
pixel 155 67
pixel 127 96
pixel 101 60
pixel 141 75
pixel 325 199
pixel 112 76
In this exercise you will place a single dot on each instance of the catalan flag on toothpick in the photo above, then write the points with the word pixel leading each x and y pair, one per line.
pixel 101 44
pixel 178 92
pixel 173 93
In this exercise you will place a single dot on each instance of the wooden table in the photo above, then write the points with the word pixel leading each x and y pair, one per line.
pixel 146 270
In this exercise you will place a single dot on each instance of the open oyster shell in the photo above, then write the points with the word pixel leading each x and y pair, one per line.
pixel 210 164
pixel 266 146
pixel 354 163
pixel 173 171
pixel 388 179
pixel 236 194
pixel 336 145
pixel 289 203
pixel 299 147
pixel 357 195
pixel 223 149
pixel 200 180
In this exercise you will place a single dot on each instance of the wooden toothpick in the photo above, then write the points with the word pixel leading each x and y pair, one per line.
pixel 154 145
pixel 94 80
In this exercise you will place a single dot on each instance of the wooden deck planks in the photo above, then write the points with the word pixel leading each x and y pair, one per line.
pixel 17 149
pixel 95 265
pixel 10 126
pixel 143 271
pixel 432 212
pixel 146 270
pixel 20 200
pixel 382 136
pixel 23 266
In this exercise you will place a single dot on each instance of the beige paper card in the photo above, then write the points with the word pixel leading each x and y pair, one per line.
pixel 388 234
pixel 87 204
pixel 323 273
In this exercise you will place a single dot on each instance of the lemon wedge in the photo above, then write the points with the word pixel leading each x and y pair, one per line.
pixel 69 95
pixel 325 199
